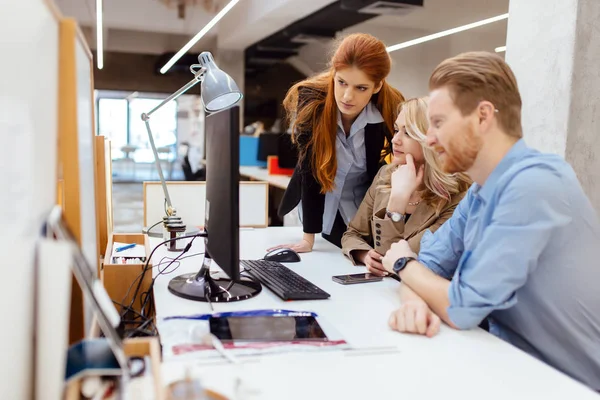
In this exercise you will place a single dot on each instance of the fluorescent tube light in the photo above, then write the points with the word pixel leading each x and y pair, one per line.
pixel 198 36
pixel 500 49
pixel 446 33
pixel 99 38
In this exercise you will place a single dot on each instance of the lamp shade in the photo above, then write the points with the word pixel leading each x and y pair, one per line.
pixel 219 90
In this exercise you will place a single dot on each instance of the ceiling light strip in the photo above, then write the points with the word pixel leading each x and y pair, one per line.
pixel 446 33
pixel 500 49
pixel 99 38
pixel 198 36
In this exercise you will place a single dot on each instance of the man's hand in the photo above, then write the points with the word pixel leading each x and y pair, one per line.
pixel 398 250
pixel 415 317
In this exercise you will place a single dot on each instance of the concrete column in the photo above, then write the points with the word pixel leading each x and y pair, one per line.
pixel 554 48
pixel 233 62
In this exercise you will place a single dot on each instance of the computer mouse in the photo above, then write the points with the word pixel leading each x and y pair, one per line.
pixel 282 255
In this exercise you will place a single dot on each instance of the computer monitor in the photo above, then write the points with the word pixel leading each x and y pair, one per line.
pixel 221 223
pixel 268 145
pixel 287 153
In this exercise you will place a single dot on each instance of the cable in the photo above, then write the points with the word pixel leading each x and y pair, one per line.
pixel 148 295
pixel 160 272
pixel 137 289
pixel 149 229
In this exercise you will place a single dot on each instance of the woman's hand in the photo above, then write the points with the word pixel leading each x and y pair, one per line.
pixel 303 246
pixel 373 263
pixel 405 180
pixel 372 260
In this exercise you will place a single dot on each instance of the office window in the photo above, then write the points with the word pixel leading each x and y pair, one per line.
pixel 112 123
pixel 119 119
pixel 163 124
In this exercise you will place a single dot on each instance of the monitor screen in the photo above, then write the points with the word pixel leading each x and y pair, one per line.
pixel 287 153
pixel 222 190
pixel 268 144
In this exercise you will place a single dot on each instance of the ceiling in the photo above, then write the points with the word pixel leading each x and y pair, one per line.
pixel 142 15
pixel 438 15
pixel 422 18
pixel 152 27
pixel 144 26
pixel 135 17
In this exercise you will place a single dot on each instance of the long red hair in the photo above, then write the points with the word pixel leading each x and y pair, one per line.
pixel 310 104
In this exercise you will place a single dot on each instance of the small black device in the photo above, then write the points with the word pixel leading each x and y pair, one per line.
pixel 267 328
pixel 282 255
pixel 352 279
pixel 282 281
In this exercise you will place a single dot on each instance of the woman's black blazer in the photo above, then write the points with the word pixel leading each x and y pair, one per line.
pixel 304 186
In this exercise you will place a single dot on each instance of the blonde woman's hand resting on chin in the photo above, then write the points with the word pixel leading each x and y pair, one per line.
pixel 303 246
pixel 405 181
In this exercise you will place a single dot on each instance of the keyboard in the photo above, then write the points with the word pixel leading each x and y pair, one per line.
pixel 282 281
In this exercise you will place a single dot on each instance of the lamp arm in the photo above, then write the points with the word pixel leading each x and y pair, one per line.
pixel 198 75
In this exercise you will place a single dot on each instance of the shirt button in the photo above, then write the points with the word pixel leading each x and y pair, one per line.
pixel 377 244
pixel 378 225
pixel 378 231
pixel 377 237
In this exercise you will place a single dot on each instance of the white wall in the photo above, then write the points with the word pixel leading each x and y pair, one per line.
pixel 28 125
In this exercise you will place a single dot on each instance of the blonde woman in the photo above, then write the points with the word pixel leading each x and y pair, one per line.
pixel 407 197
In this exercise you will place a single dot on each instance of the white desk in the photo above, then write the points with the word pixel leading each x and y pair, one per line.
pixel 262 174
pixel 453 364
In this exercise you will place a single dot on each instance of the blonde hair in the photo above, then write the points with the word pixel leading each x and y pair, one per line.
pixel 440 186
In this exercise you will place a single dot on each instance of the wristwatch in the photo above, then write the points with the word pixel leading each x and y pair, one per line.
pixel 394 216
pixel 401 263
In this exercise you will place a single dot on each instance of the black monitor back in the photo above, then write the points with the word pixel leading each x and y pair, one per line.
pixel 222 190
pixel 268 144
pixel 287 152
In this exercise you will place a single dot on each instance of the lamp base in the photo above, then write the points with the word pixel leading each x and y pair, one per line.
pixel 220 290
pixel 157 231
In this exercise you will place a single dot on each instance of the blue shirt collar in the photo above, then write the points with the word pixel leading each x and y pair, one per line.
pixel 514 154
pixel 369 115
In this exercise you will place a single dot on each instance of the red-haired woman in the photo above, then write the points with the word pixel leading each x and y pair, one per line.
pixel 342 122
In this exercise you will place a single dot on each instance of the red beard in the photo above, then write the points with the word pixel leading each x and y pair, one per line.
pixel 461 152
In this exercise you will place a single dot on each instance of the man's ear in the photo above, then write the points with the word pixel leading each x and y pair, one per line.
pixel 486 112
pixel 378 87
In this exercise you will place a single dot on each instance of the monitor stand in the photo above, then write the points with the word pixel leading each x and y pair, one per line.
pixel 201 286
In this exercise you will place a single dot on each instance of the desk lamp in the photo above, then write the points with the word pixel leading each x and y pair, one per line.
pixel 218 92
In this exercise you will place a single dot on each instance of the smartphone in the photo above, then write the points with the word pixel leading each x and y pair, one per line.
pixel 356 278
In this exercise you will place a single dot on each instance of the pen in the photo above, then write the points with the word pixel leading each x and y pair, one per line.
pixel 127 246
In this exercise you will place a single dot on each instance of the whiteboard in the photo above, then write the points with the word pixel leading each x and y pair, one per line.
pixel 85 133
pixel 188 199
pixel 28 130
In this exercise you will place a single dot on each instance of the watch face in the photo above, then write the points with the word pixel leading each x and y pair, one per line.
pixel 396 217
pixel 401 263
